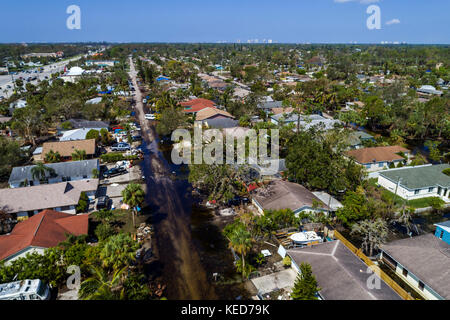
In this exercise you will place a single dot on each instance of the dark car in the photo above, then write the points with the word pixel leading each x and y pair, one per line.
pixel 103 203
pixel 114 172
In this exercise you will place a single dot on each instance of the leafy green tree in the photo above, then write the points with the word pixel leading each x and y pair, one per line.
pixel 10 156
pixel 355 208
pixel 93 134
pixel 305 286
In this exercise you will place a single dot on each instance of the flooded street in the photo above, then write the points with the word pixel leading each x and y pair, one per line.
pixel 189 245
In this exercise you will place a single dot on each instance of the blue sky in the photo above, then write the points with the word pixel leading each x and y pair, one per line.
pixel 294 21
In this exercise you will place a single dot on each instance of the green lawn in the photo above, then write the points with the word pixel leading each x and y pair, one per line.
pixel 417 203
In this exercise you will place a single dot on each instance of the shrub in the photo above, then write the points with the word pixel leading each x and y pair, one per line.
pixel 116 156
pixel 446 171
pixel 83 203
pixel 104 231
pixel 287 261
pixel 93 134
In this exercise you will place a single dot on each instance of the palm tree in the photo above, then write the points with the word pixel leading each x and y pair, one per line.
pixel 52 157
pixel 79 155
pixel 39 171
pixel 241 242
pixel 119 251
pixel 103 287
pixel 134 196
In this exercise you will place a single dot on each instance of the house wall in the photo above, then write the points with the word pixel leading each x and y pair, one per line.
pixel 445 234
pixel 427 293
pixel 23 253
pixel 378 166
pixel 411 194
pixel 68 209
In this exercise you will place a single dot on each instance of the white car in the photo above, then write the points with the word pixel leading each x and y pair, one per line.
pixel 150 117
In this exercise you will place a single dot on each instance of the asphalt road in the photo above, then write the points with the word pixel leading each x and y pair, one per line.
pixel 5 80
pixel 182 269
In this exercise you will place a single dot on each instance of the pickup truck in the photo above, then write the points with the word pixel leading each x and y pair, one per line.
pixel 114 172
pixel 120 147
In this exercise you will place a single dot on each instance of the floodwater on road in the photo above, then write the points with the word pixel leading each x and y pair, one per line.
pixel 188 239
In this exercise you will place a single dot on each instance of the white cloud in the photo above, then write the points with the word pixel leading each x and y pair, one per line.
pixel 393 21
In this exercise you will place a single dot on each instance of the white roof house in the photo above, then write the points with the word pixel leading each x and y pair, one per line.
pixel 75 71
pixel 77 134
pixel 429 90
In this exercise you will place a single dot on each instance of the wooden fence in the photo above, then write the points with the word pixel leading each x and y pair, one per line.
pixel 376 269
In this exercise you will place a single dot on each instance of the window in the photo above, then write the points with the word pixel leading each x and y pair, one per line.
pixel 430 189
pixel 421 285
pixel 381 165
pixel 405 272
pixel 442 234
pixel 416 191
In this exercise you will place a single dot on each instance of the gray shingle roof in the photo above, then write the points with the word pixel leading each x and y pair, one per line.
pixel 45 196
pixel 286 195
pixel 425 256
pixel 62 169
pixel 340 274
pixel 421 177
pixel 271 105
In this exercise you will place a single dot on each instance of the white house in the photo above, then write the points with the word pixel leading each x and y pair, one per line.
pixel 417 182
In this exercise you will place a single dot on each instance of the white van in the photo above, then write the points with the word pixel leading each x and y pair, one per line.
pixel 25 290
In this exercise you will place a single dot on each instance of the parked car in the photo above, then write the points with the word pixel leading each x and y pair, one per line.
pixel 150 117
pixel 114 172
pixel 121 147
pixel 103 203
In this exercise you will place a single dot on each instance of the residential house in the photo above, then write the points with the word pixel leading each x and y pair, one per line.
pixel 306 121
pixel 63 197
pixel 67 148
pixel 429 90
pixel 267 106
pixel 379 158
pixel 215 118
pixel 340 274
pixel 423 263
pixel 77 134
pixel 87 124
pixel 356 139
pixel 63 171
pixel 195 105
pixel 281 194
pixel 417 182
pixel 443 231
pixel 18 104
pixel 44 230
